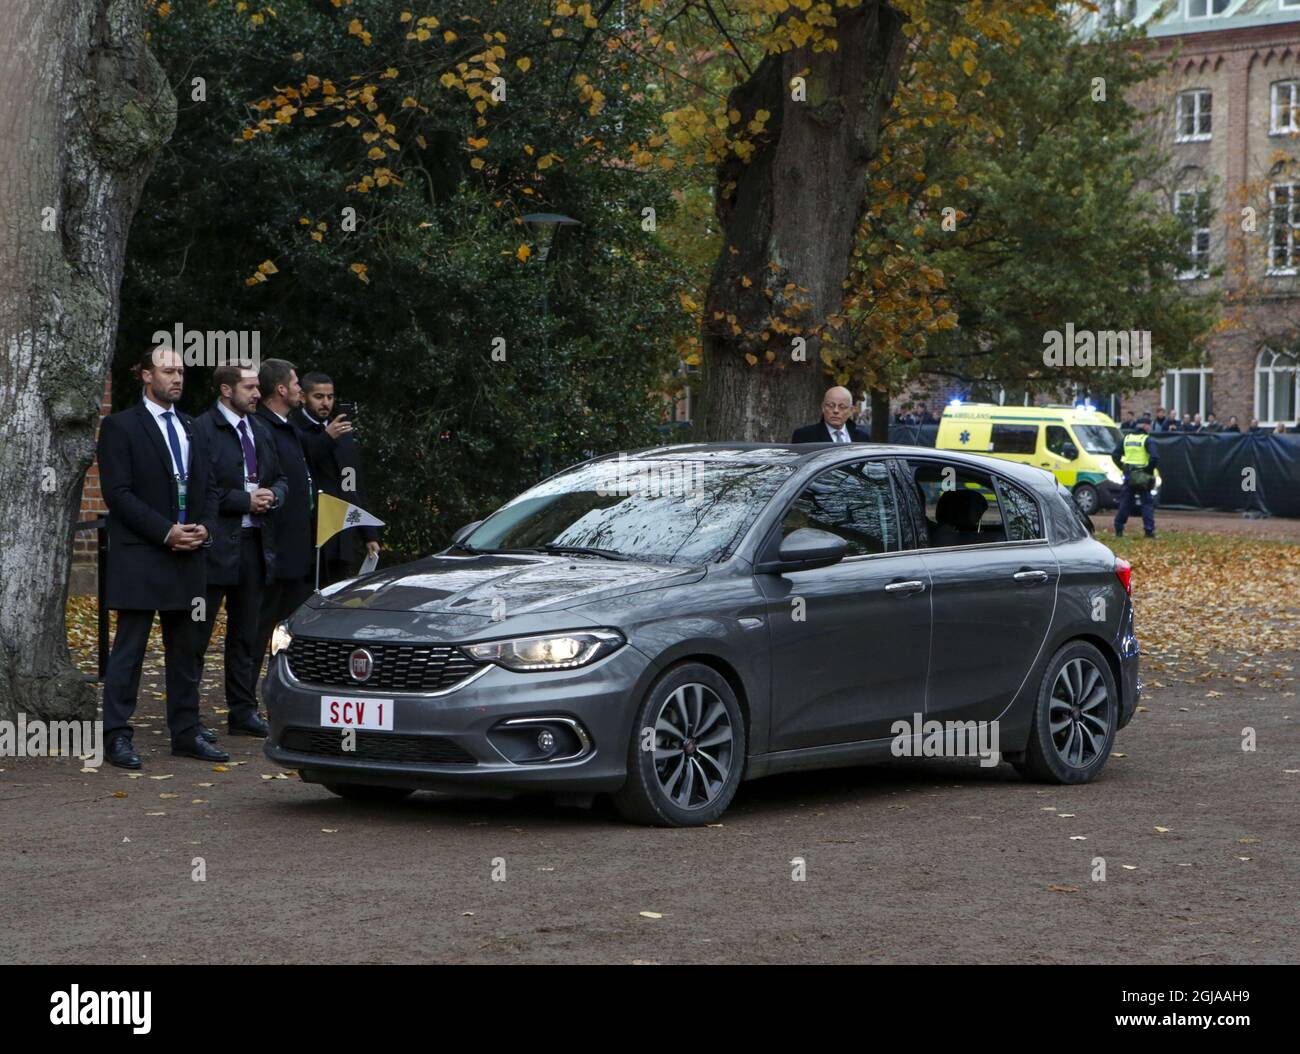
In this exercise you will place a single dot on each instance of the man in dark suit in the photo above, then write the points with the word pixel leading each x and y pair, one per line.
pixel 335 464
pixel 153 469
pixel 835 426
pixel 289 583
pixel 245 486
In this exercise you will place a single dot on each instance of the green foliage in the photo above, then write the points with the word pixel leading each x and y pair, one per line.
pixel 403 312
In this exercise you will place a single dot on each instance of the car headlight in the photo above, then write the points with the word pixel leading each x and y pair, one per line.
pixel 550 651
pixel 281 638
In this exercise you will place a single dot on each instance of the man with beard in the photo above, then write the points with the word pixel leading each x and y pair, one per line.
pixel 153 468
pixel 335 464
pixel 246 485
pixel 289 584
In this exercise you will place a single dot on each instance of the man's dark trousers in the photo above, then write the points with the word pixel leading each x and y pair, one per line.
pixel 1142 495
pixel 243 603
pixel 280 599
pixel 122 680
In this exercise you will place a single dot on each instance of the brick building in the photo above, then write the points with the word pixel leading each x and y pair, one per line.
pixel 92 505
pixel 1230 119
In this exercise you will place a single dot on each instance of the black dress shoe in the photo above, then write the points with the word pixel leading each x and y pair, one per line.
pixel 206 734
pixel 252 725
pixel 121 753
pixel 197 748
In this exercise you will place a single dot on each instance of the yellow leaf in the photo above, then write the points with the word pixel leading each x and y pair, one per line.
pixel 523 63
pixel 267 267
pixel 360 269
pixel 523 253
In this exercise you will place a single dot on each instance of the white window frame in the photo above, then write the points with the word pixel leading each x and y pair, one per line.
pixel 1209 11
pixel 1171 399
pixel 1203 271
pixel 1290 3
pixel 1273 370
pixel 1199 112
pixel 1276 108
pixel 1292 206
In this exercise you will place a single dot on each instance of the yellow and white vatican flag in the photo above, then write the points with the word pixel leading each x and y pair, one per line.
pixel 334 515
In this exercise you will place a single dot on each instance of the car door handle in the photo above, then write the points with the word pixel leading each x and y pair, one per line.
pixel 1030 577
pixel 905 588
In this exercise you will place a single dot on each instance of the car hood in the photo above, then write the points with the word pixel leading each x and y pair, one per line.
pixel 496 585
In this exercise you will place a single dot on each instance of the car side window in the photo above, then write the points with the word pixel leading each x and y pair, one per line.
pixel 961 504
pixel 1023 520
pixel 1057 440
pixel 854 502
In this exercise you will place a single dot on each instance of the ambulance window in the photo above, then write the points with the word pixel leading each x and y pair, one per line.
pixel 1057 438
pixel 1014 439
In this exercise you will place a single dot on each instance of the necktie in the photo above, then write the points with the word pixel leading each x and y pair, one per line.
pixel 178 462
pixel 839 435
pixel 250 452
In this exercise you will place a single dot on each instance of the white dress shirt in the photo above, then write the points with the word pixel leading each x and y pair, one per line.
pixel 235 419
pixel 181 437
pixel 838 435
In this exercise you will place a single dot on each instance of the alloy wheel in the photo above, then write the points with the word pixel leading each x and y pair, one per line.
pixel 1079 713
pixel 694 744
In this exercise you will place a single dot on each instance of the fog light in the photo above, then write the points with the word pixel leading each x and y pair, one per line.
pixel 545 740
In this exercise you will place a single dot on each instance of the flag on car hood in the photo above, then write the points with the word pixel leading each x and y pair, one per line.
pixel 334 515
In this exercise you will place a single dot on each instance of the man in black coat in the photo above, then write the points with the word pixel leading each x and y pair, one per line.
pixel 153 469
pixel 335 464
pixel 290 581
pixel 835 426
pixel 245 486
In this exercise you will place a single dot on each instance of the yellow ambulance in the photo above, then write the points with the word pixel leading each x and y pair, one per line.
pixel 1074 443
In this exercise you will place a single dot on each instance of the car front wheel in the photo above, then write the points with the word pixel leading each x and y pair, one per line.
pixel 1075 718
pixel 687 750
pixel 1087 498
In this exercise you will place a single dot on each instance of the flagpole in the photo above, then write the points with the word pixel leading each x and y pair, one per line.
pixel 318 569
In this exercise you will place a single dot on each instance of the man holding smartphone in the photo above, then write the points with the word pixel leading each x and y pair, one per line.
pixel 335 462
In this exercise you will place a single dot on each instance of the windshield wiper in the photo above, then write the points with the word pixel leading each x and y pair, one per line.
pixel 466 548
pixel 587 550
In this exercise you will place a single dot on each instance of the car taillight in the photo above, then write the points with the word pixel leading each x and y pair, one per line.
pixel 1124 572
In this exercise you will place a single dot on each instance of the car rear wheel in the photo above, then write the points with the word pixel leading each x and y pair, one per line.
pixel 687 751
pixel 365 792
pixel 1075 718
pixel 1087 498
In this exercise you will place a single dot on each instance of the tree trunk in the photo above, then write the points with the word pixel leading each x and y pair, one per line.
pixel 790 217
pixel 880 415
pixel 83 108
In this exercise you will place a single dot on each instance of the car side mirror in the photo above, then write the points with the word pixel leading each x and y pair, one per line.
pixel 465 532
pixel 1070 452
pixel 804 549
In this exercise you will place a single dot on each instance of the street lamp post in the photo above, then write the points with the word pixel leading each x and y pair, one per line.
pixel 547 224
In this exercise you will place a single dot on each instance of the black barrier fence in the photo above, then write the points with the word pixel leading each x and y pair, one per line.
pixel 100 527
pixel 1247 472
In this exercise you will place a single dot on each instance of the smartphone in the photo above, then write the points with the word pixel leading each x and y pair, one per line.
pixel 346 407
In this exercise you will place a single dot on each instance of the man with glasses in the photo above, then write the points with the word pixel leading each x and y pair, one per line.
pixel 835 426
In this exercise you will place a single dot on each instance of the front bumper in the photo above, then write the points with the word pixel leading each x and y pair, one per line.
pixel 451 741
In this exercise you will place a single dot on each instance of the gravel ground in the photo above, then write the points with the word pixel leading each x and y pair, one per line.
pixel 927 861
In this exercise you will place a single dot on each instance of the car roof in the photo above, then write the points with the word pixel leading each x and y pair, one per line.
pixel 798 455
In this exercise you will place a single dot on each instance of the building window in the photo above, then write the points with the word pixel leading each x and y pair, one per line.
pixel 1188 392
pixel 1283 111
pixel 1277 387
pixel 1122 11
pixel 1206 8
pixel 1283 216
pixel 1193 208
pixel 1193 116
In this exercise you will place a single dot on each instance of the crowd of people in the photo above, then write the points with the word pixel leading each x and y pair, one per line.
pixel 1163 421
pixel 211 510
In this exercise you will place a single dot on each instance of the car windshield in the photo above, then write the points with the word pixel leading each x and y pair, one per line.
pixel 664 510
pixel 1097 439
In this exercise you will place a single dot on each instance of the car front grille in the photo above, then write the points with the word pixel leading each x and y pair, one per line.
pixel 396 667
pixel 377 746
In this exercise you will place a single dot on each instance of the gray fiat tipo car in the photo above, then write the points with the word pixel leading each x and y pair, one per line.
pixel 659 625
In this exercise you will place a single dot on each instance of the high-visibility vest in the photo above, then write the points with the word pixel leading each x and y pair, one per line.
pixel 1135 450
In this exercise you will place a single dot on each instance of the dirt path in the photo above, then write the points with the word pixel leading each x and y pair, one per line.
pixel 934 861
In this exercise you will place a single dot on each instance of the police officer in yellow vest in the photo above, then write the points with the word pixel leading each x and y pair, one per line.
pixel 1137 460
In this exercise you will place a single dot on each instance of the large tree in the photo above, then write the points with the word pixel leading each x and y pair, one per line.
pixel 83 108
